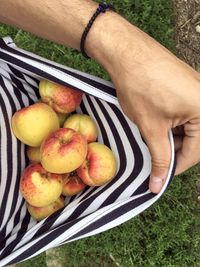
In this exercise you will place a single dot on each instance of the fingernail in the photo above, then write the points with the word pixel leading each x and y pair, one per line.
pixel 156 184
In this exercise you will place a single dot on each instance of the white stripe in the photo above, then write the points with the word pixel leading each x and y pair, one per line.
pixel 90 112
pixel 30 81
pixel 9 41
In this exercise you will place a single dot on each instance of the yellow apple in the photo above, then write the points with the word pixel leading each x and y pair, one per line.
pixel 63 151
pixel 32 124
pixel 33 153
pixel 39 213
pixel 39 187
pixel 83 124
pixel 99 167
pixel 61 98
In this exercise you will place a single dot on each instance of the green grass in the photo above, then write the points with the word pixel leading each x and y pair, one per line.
pixel 167 234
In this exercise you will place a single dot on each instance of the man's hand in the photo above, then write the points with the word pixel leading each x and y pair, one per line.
pixel 157 91
pixel 159 95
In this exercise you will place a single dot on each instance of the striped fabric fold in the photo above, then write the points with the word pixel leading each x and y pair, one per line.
pixel 94 210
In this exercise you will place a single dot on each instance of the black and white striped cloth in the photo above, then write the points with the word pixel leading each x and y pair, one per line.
pixel 95 209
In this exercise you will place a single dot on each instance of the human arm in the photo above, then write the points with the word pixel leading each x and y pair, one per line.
pixel 156 90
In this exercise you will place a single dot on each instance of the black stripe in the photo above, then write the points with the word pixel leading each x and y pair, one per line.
pixel 16 72
pixel 142 188
pixel 48 224
pixel 113 215
pixel 20 234
pixel 21 76
pixel 19 90
pixel 100 123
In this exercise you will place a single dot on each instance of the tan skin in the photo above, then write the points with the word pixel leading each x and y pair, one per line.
pixel 156 90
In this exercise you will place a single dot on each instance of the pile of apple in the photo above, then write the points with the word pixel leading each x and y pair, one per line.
pixel 62 149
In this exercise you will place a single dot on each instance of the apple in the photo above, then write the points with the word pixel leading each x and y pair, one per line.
pixel 33 153
pixel 62 118
pixel 84 124
pixel 72 184
pixel 39 187
pixel 63 151
pixel 32 124
pixel 61 98
pixel 99 167
pixel 39 213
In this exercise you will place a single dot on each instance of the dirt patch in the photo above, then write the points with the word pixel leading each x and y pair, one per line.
pixel 187 15
pixel 187 37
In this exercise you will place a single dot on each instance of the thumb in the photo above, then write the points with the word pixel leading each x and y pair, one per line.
pixel 160 150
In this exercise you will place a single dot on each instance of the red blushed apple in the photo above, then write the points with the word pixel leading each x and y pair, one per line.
pixel 63 151
pixel 72 184
pixel 61 98
pixel 99 167
pixel 39 187
pixel 39 213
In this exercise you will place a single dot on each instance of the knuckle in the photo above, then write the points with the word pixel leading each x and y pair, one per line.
pixel 162 164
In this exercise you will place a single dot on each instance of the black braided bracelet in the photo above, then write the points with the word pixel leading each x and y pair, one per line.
pixel 102 8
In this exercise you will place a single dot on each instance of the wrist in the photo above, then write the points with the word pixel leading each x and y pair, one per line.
pixel 112 40
pixel 99 43
pixel 111 37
